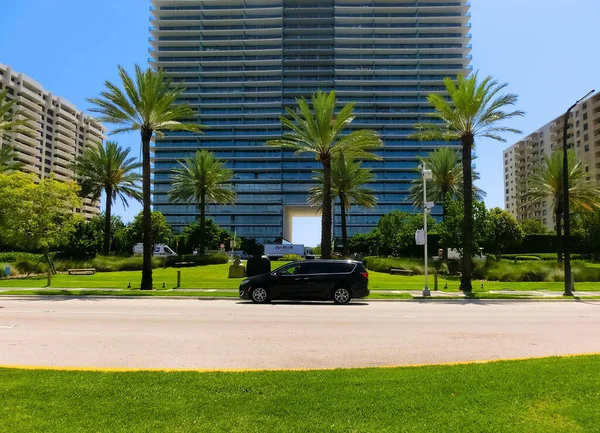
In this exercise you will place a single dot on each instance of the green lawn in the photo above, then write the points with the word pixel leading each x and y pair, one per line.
pixel 215 277
pixel 544 395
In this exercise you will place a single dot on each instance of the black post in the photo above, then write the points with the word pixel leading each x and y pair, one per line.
pixel 566 219
pixel 566 210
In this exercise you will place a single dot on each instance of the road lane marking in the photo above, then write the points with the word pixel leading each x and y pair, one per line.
pixel 7 326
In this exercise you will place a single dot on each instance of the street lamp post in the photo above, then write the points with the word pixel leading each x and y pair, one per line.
pixel 427 175
pixel 566 210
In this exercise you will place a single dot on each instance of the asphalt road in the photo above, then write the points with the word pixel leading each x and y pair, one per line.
pixel 191 333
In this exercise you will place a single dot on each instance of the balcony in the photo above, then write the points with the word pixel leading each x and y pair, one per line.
pixel 26 139
pixel 64 155
pixel 27 159
pixel 67 147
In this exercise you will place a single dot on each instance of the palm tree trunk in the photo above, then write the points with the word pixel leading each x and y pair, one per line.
pixel 106 246
pixel 558 216
pixel 467 256
pixel 147 214
pixel 326 217
pixel 202 224
pixel 345 247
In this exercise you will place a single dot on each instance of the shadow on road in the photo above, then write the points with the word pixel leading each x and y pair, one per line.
pixel 313 303
pixel 56 296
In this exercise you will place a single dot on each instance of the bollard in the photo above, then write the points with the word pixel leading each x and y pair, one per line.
pixel 178 279
pixel 435 280
pixel 49 282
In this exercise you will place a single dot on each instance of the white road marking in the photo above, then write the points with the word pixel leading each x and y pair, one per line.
pixel 7 326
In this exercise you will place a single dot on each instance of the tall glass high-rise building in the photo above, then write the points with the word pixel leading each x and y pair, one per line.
pixel 243 61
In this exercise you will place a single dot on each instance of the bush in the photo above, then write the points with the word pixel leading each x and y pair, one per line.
pixel 209 259
pixel 25 264
pixel 291 258
pixel 519 257
pixel 13 256
pixel 383 264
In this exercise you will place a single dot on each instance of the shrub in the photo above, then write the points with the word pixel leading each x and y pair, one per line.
pixel 209 259
pixel 383 264
pixel 13 256
pixel 519 257
pixel 291 258
pixel 25 264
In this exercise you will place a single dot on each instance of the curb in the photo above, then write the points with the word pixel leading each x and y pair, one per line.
pixel 267 370
pixel 230 298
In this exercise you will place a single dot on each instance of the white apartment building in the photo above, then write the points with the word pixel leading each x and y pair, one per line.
pixel 522 158
pixel 57 131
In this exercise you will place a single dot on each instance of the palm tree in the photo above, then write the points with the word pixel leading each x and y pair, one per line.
pixel 8 124
pixel 474 109
pixel 446 170
pixel 148 105
pixel 8 114
pixel 319 130
pixel 347 180
pixel 7 161
pixel 107 168
pixel 547 183
pixel 200 178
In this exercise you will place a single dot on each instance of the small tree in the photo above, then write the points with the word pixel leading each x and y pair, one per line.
pixel 397 230
pixel 365 242
pixel 161 231
pixel 533 227
pixel 213 236
pixel 450 230
pixel 503 232
pixel 39 215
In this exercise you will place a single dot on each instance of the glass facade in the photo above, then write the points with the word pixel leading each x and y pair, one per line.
pixel 243 61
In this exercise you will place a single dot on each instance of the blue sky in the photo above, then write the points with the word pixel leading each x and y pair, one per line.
pixel 544 49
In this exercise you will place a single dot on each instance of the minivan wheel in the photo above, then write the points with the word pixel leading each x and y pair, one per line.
pixel 341 296
pixel 260 296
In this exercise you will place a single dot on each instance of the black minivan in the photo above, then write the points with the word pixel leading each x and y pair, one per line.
pixel 334 280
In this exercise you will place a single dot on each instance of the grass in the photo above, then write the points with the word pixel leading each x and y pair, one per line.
pixel 543 395
pixel 215 277
pixel 100 292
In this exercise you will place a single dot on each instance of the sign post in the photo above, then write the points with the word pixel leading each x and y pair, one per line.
pixel 427 175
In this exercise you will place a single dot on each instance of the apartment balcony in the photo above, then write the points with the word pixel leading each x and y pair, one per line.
pixel 63 122
pixel 66 146
pixel 31 120
pixel 26 139
pixel 27 159
pixel 29 108
pixel 71 117
pixel 61 177
pixel 68 156
pixel 67 133
pixel 61 167
pixel 33 96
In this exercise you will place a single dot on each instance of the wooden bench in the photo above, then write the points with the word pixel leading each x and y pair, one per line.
pixel 184 264
pixel 407 272
pixel 89 271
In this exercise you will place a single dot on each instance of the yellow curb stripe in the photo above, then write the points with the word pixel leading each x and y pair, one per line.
pixel 249 370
